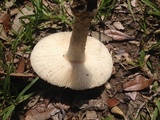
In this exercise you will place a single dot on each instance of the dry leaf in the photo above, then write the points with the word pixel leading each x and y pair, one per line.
pixel 62 106
pixel 9 4
pixel 3 35
pixel 117 35
pixel 68 9
pixel 96 104
pixel 3 15
pixel 6 22
pixel 118 25
pixel 134 3
pixel 112 102
pixel 29 117
pixel 21 66
pixel 41 113
pixel 139 83
pixel 117 110
pixel 34 100
pixel 5 19
pixel 122 56
pixel 14 11
pixel 91 115
pixel 18 74
pixel 132 95
pixel 101 36
pixel 16 26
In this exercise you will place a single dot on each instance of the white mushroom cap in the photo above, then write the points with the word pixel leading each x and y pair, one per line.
pixel 49 62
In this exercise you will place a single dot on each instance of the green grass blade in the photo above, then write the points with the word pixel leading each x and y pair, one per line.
pixel 7 84
pixel 155 114
pixel 7 112
pixel 25 97
pixel 130 9
pixel 141 58
pixel 158 105
pixel 110 117
pixel 20 96
pixel 153 6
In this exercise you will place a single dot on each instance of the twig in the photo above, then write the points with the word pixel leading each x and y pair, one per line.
pixel 143 104
pixel 18 74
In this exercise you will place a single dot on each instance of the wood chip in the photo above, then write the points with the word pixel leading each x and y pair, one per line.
pixel 91 115
pixel 118 25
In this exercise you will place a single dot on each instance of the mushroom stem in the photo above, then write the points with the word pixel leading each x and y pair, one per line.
pixel 76 50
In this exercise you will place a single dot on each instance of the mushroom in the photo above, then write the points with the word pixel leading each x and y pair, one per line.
pixel 73 59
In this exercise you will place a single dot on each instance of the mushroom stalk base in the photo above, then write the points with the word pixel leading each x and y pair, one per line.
pixel 76 50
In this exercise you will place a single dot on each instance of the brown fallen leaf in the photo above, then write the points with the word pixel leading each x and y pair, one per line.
pixel 100 36
pixel 9 4
pixel 112 102
pixel 118 25
pixel 17 25
pixel 6 19
pixel 3 15
pixel 40 112
pixel 95 104
pixel 18 74
pixel 91 115
pixel 134 3
pixel 5 26
pixel 14 11
pixel 3 35
pixel 117 35
pixel 118 111
pixel 137 84
pixel 68 10
pixel 132 95
pixel 21 66
pixel 62 106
